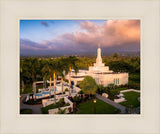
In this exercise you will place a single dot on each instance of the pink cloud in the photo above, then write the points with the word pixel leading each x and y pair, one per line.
pixel 111 34
pixel 89 26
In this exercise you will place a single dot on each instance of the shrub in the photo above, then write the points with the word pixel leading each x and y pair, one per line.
pixel 52 106
pixel 60 111
pixel 72 83
pixel 76 99
pixel 66 89
pixel 101 89
pixel 77 85
pixel 61 102
pixel 80 92
pixel 67 104
pixel 112 93
pixel 70 98
pixel 26 111
pixel 70 109
pixel 111 86
pixel 66 80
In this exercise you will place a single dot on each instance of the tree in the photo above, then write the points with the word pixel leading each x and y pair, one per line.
pixel 115 55
pixel 44 71
pixel 34 67
pixel 88 85
pixel 71 63
pixel 47 72
pixel 55 65
pixel 21 75
pixel 120 66
pixel 62 69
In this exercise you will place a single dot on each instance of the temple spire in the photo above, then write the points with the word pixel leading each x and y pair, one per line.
pixel 99 59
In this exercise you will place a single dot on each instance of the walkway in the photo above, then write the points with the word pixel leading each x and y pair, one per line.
pixel 129 90
pixel 110 102
pixel 36 109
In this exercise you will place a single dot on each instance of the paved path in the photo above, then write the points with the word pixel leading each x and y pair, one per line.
pixel 128 90
pixel 116 105
pixel 36 109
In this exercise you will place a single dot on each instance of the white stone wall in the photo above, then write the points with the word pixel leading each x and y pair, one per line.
pixel 66 100
pixel 129 90
pixel 109 78
pixel 121 99
pixel 46 102
pixel 106 79
pixel 54 111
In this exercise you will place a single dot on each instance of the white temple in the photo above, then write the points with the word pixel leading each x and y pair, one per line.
pixel 100 73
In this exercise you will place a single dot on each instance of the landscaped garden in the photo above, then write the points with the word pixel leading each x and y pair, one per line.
pixel 101 108
pixel 59 104
pixel 132 99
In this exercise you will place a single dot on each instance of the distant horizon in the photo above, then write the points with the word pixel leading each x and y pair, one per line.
pixel 124 54
pixel 79 37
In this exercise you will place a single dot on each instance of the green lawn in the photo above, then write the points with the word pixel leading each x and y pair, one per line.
pixel 132 99
pixel 26 111
pixel 101 108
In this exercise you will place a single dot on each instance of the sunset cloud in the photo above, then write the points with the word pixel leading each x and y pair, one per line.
pixel 112 34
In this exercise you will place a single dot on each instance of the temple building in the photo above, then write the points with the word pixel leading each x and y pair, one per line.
pixel 100 73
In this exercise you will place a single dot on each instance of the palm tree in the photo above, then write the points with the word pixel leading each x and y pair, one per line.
pixel 34 67
pixel 44 71
pixel 33 64
pixel 71 63
pixel 47 72
pixel 55 68
pixel 62 70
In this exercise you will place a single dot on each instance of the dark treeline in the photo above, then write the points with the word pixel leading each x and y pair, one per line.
pixel 32 69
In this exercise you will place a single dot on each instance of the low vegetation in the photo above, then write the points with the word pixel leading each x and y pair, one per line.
pixel 26 111
pixel 101 108
pixel 59 104
pixel 132 99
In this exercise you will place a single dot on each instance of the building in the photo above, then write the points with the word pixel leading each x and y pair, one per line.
pixel 100 73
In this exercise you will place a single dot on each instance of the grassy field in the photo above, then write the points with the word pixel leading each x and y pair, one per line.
pixel 101 108
pixel 132 99
pixel 26 111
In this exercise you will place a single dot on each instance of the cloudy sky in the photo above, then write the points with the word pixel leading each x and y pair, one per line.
pixel 60 37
